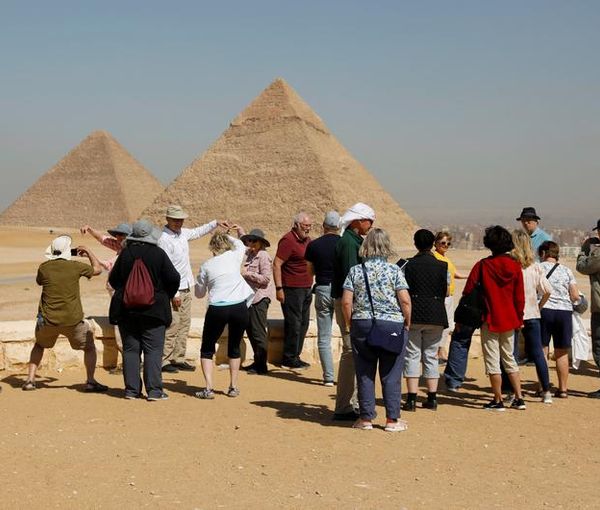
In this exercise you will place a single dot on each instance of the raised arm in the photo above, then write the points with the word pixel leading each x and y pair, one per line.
pixel 98 236
pixel 94 262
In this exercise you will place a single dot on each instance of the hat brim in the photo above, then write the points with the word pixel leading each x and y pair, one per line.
pixel 248 237
pixel 529 217
pixel 118 232
pixel 181 216
pixel 149 239
pixel 66 255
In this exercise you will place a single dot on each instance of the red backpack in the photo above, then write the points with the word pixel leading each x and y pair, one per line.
pixel 139 289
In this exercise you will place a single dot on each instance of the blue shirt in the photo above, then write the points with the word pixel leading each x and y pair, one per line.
pixel 384 280
pixel 538 237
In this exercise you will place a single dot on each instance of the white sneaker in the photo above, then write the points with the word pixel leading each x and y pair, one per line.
pixel 547 397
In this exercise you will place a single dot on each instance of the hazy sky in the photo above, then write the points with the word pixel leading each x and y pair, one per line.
pixel 462 109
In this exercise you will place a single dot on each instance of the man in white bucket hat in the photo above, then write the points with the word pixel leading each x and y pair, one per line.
pixel 60 311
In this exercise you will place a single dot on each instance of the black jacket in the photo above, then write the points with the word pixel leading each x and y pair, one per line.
pixel 427 279
pixel 165 279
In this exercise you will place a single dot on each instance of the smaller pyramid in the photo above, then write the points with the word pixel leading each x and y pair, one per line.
pixel 98 182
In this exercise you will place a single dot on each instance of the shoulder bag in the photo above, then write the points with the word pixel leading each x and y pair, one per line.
pixel 387 335
pixel 471 307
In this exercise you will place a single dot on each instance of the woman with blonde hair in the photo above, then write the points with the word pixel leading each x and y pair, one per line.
pixel 229 297
pixel 535 284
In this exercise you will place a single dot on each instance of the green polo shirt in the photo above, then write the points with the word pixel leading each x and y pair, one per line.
pixel 346 256
pixel 60 303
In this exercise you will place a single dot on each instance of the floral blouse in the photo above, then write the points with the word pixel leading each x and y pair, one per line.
pixel 384 280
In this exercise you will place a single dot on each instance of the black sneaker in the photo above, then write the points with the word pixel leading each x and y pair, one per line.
pixel 303 364
pixel 410 405
pixel 294 364
pixel 518 403
pixel 171 369
pixel 156 398
pixel 430 404
pixel 349 416
pixel 494 406
pixel 594 394
pixel 185 366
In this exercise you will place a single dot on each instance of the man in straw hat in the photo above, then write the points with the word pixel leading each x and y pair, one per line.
pixel 355 224
pixel 588 263
pixel 174 241
pixel 60 311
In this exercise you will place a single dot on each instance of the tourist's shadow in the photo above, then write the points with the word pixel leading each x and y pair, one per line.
pixel 179 386
pixel 289 375
pixel 17 381
pixel 302 411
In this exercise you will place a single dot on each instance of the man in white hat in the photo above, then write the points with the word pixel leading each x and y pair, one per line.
pixel 60 311
pixel 355 223
pixel 174 241
pixel 319 256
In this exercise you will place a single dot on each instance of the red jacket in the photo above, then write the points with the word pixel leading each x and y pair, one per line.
pixel 503 291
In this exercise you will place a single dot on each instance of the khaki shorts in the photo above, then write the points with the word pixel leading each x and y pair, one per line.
pixel 498 347
pixel 80 336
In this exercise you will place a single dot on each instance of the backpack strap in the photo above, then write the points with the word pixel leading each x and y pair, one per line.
pixel 368 288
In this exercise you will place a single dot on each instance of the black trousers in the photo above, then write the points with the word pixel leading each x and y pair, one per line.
pixel 147 336
pixel 296 314
pixel 235 317
pixel 257 332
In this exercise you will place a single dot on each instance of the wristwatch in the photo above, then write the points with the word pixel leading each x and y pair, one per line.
pixel 278 288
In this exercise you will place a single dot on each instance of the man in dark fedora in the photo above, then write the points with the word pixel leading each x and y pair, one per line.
pixel 530 221
pixel 588 263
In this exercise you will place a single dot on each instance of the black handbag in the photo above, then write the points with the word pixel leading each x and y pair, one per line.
pixel 387 335
pixel 471 307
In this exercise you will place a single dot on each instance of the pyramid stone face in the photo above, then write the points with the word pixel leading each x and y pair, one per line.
pixel 98 182
pixel 277 158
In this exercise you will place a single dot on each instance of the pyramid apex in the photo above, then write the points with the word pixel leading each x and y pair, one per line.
pixel 278 102
pixel 100 133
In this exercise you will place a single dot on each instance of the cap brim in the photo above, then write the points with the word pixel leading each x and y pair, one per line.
pixel 248 237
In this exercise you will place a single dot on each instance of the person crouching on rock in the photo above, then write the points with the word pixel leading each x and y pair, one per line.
pixel 60 311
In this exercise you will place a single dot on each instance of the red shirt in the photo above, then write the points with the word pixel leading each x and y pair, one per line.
pixel 503 291
pixel 294 272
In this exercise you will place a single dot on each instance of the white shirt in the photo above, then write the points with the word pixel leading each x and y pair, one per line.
pixel 534 281
pixel 177 248
pixel 221 277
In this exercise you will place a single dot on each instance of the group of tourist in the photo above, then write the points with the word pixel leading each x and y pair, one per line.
pixel 394 317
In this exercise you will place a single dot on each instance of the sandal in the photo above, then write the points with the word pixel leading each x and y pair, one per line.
pixel 396 426
pixel 561 394
pixel 205 394
pixel 95 387
pixel 233 392
pixel 362 425
pixel 28 386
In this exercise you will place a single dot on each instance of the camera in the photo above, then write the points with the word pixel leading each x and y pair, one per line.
pixel 74 252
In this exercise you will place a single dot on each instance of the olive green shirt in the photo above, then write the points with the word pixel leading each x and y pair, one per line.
pixel 60 302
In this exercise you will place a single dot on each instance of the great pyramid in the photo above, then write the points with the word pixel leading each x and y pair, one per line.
pixel 276 158
pixel 98 182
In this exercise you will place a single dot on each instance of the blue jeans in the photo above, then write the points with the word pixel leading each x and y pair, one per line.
pixel 458 355
pixel 532 332
pixel 366 360
pixel 324 309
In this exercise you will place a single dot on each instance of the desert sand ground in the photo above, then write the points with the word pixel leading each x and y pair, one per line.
pixel 275 446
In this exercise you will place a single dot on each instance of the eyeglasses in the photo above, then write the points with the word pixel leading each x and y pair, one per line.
pixel 445 243
pixel 306 226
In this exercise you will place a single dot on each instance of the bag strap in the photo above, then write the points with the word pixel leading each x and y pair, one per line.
pixel 552 270
pixel 368 288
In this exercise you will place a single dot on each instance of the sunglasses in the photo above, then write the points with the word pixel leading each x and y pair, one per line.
pixel 445 243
